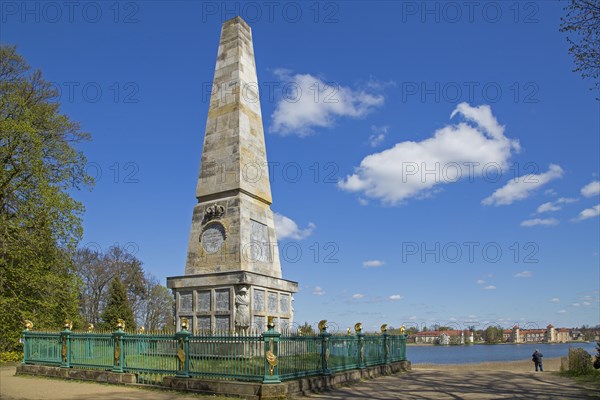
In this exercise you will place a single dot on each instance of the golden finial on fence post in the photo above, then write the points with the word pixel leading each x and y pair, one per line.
pixel 68 324
pixel 358 327
pixel 384 328
pixel 120 324
pixel 323 326
pixel 89 327
pixel 28 325
pixel 184 324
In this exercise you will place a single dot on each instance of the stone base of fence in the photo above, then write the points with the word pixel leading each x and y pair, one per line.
pixel 287 389
pixel 80 374
pixel 248 390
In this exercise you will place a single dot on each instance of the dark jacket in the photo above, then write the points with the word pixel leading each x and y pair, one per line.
pixel 537 357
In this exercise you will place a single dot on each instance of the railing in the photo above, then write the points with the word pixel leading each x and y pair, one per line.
pixel 269 357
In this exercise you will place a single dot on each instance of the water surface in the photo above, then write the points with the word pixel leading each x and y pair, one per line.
pixel 484 353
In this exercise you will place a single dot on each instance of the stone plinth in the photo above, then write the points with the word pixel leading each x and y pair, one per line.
pixel 218 301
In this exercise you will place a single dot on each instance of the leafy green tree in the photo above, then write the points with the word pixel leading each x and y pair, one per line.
pixel 40 223
pixel 493 334
pixel 581 23
pixel 117 307
pixel 306 329
pixel 597 359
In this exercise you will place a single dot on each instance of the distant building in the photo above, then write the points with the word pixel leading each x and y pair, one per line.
pixel 548 335
pixel 514 335
pixel 444 337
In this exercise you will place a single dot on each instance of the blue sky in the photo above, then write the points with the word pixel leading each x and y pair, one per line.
pixel 503 228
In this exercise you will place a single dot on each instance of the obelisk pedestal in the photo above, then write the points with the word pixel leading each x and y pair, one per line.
pixel 233 278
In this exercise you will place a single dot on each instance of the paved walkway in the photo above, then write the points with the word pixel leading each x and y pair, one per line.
pixel 418 384
pixel 477 385
pixel 34 388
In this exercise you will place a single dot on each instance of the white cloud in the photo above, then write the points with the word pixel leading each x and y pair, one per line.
pixel 562 311
pixel 309 102
pixel 480 281
pixel 454 152
pixel 373 263
pixel 548 207
pixel 396 297
pixel 555 300
pixel 318 291
pixel 550 192
pixel 588 213
pixel 522 187
pixel 378 135
pixel 591 189
pixel 575 304
pixel 539 221
pixel 586 303
pixel 412 318
pixel 555 205
pixel 358 296
pixel 491 287
pixel 287 228
pixel 524 274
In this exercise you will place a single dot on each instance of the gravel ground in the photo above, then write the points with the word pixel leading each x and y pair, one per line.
pixel 499 380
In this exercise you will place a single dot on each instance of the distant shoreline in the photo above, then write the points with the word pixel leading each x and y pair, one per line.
pixel 493 344
pixel 550 365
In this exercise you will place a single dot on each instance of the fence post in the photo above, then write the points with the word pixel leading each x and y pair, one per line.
pixel 324 347
pixel 28 325
pixel 386 344
pixel 65 345
pixel 361 345
pixel 271 338
pixel 183 349
pixel 403 339
pixel 119 356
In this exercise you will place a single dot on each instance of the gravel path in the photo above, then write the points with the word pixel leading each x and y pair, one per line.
pixel 22 387
pixel 505 380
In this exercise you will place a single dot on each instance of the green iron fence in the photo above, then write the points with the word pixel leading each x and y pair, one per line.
pixel 269 357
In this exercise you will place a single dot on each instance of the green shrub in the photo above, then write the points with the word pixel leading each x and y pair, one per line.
pixel 10 357
pixel 597 361
pixel 580 361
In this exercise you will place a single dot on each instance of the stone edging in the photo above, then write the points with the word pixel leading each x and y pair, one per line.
pixel 248 390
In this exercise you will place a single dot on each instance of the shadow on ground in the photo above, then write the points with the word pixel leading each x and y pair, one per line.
pixel 431 384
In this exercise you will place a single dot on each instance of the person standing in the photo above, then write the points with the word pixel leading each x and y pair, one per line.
pixel 536 357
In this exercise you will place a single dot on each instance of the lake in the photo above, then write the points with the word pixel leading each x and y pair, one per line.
pixel 484 353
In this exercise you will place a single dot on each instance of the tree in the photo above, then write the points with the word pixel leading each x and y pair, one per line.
pixel 582 26
pixel 117 307
pixel 306 329
pixel 95 279
pixel 151 302
pixel 40 223
pixel 597 359
pixel 158 306
pixel 493 334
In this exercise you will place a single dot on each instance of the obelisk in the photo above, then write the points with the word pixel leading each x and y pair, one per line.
pixel 232 278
